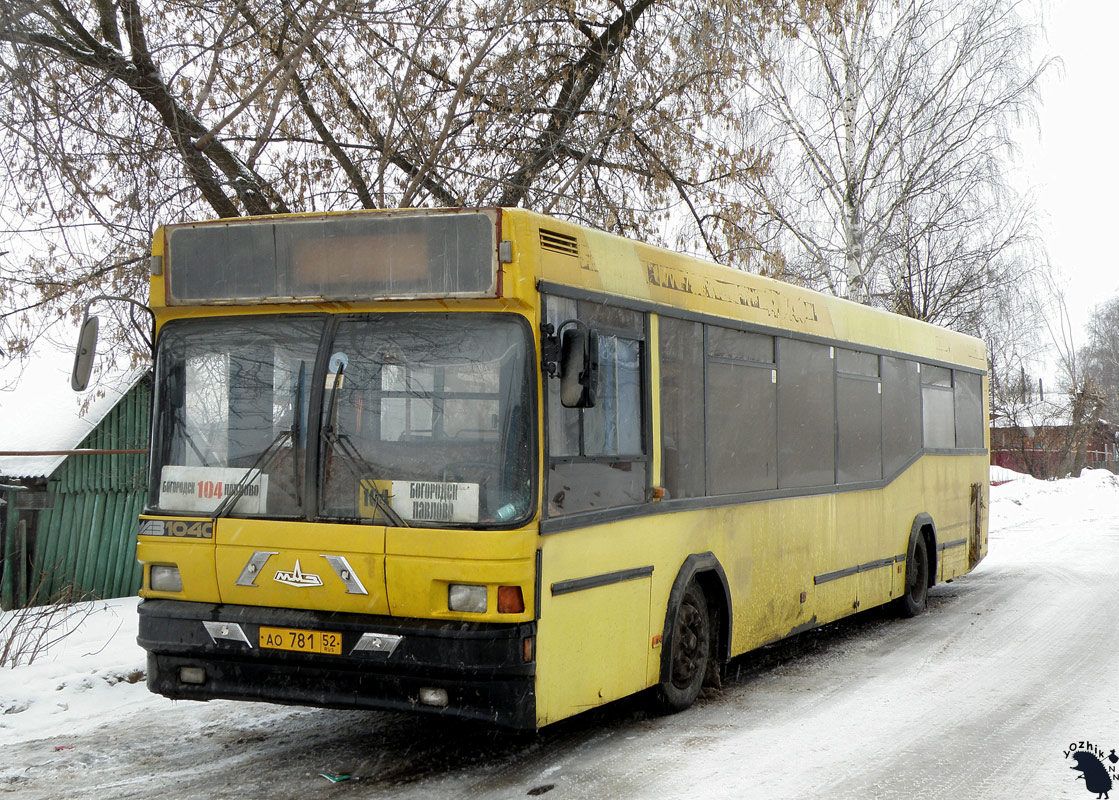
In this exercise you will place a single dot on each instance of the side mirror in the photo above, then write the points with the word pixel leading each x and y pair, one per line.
pixel 578 367
pixel 83 355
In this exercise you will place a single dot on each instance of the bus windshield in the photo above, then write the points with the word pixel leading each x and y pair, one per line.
pixel 420 419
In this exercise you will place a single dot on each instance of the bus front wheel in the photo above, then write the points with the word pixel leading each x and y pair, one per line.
pixel 916 596
pixel 690 651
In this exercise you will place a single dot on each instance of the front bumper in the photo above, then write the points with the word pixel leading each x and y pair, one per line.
pixel 480 666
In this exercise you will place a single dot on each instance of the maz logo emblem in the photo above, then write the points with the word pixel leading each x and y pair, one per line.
pixel 297 577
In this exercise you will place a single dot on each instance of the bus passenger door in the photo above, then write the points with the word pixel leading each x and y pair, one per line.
pixel 593 636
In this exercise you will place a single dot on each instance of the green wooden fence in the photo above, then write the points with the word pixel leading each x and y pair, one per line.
pixel 83 542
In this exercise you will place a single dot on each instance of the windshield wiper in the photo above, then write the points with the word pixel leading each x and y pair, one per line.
pixel 263 461
pixel 268 455
pixel 351 457
pixel 297 432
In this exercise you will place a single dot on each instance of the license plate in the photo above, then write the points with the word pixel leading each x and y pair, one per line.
pixel 301 641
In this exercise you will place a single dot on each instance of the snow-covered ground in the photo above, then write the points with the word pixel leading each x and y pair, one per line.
pixel 979 698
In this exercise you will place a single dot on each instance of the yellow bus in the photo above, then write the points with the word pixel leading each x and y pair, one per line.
pixel 491 464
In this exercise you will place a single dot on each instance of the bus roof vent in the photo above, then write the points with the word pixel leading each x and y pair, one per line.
pixel 559 243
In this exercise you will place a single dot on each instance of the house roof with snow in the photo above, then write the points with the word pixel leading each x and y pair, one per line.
pixel 40 412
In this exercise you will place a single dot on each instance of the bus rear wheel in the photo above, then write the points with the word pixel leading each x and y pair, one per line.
pixel 916 597
pixel 691 651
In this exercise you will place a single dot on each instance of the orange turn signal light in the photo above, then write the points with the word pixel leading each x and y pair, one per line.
pixel 510 600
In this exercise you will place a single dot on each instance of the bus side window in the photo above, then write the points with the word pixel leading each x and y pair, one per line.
pixel 682 417
pixel 741 397
pixel 858 405
pixel 613 425
pixel 596 456
pixel 938 407
pixel 806 414
pixel 901 414
pixel 967 388
pixel 563 423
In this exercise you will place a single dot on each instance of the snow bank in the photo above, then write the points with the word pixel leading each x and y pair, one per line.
pixel 1026 501
pixel 1001 475
pixel 93 673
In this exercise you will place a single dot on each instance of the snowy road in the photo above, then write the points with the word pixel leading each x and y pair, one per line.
pixel 979 698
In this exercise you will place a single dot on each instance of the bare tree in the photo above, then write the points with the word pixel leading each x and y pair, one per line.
pixel 119 116
pixel 889 125
pixel 1049 429
pixel 1017 349
pixel 1100 356
pixel 1081 404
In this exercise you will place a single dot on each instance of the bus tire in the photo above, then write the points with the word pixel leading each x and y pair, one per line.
pixel 915 597
pixel 691 651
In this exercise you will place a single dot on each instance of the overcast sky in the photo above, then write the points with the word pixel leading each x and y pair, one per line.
pixel 1073 163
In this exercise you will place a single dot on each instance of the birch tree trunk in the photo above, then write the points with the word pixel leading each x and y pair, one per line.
pixel 888 124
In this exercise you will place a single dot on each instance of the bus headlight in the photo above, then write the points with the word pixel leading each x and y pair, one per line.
pixel 165 578
pixel 466 597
